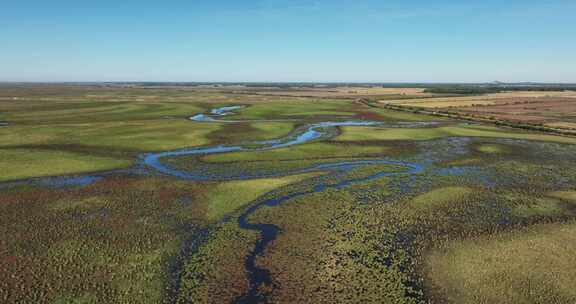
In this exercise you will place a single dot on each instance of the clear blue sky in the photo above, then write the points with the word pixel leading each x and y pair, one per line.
pixel 288 40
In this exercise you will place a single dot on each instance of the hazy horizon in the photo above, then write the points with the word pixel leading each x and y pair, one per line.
pixel 289 41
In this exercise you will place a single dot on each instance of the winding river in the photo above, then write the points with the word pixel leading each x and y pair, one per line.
pixel 268 232
pixel 312 132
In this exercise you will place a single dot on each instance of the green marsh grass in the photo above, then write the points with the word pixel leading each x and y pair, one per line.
pixel 24 163
pixel 227 197
pixel 351 133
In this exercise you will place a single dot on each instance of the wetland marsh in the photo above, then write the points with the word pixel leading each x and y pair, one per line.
pixel 131 195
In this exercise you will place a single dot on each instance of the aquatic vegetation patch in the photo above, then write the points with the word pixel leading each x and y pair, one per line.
pixel 215 272
pixel 109 241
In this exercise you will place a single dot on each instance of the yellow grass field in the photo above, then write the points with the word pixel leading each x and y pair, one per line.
pixel 463 101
